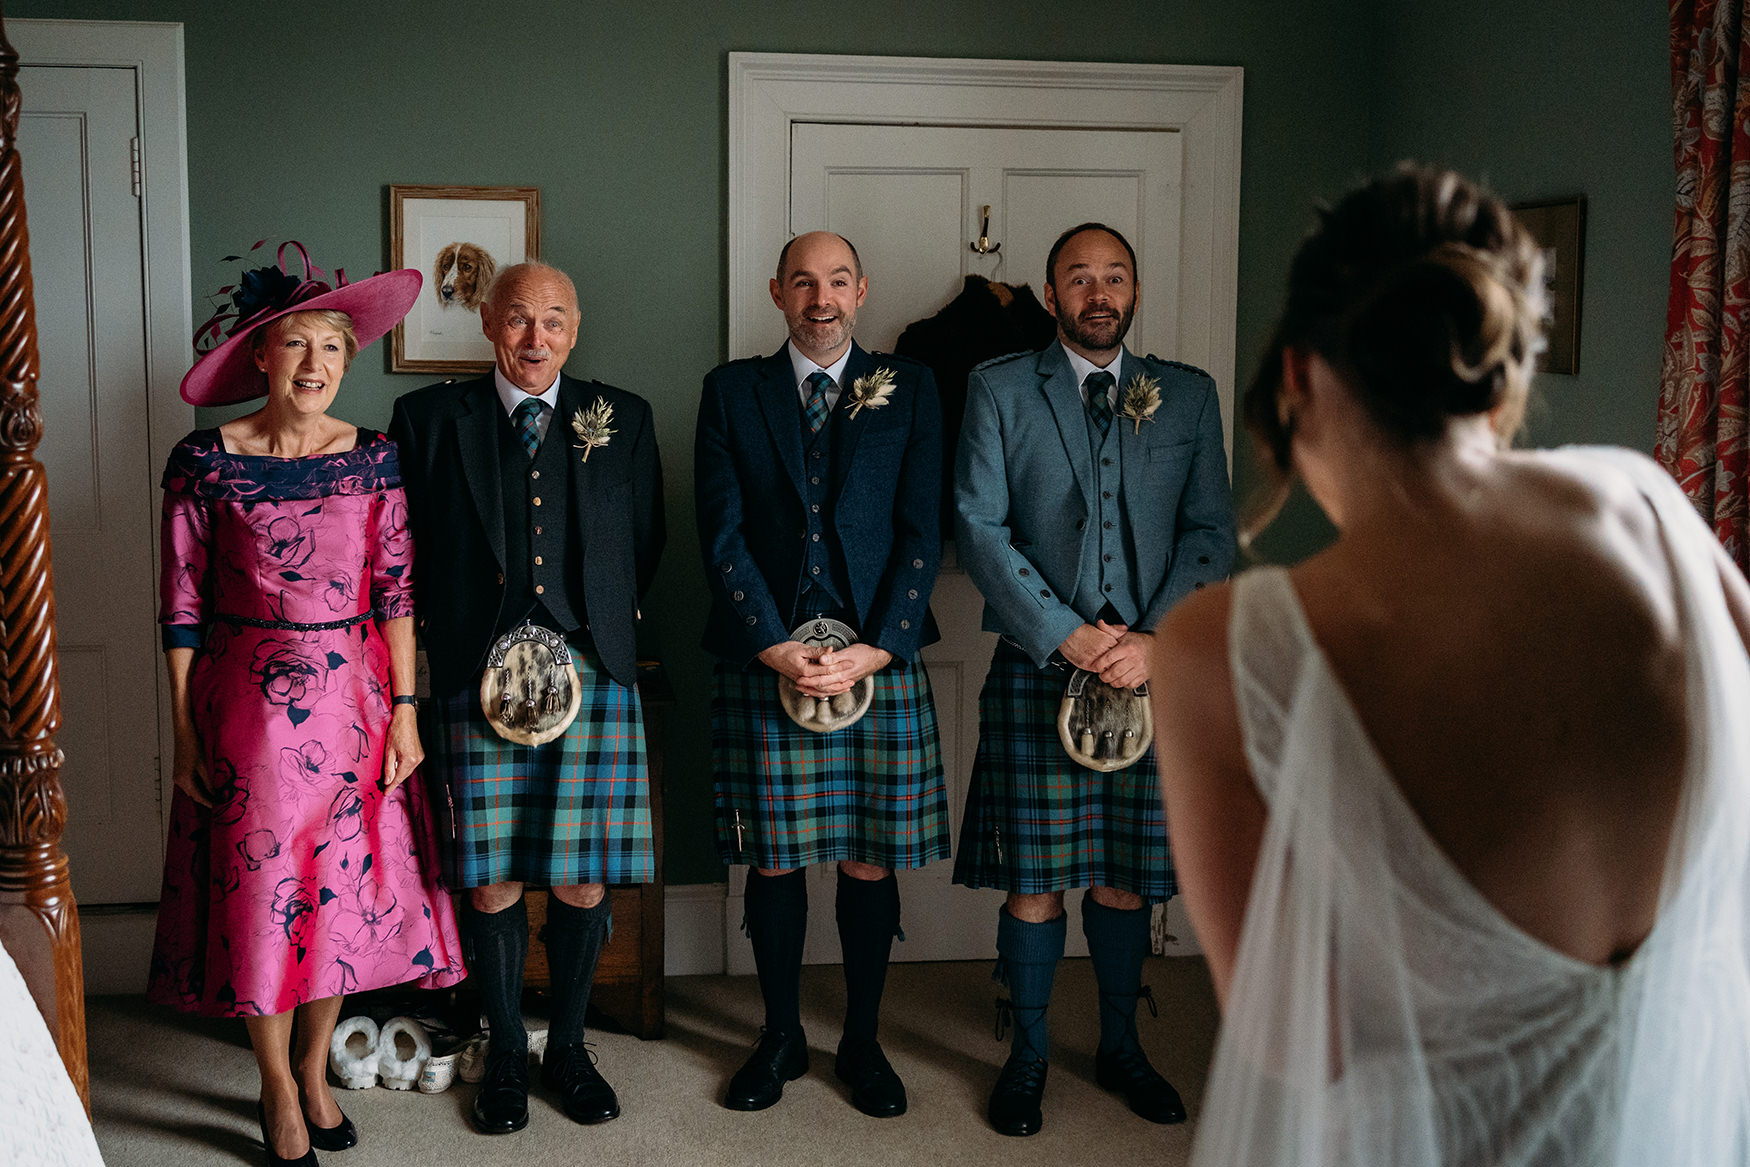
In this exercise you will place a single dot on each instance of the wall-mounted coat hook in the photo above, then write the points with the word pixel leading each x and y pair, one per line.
pixel 983 245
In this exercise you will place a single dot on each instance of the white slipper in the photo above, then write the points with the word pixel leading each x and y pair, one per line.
pixel 402 1052
pixel 537 1046
pixel 352 1053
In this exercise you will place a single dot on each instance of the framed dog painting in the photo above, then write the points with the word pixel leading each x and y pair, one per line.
pixel 458 236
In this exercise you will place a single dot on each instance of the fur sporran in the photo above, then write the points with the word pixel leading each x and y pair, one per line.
pixel 530 692
pixel 1102 727
pixel 825 714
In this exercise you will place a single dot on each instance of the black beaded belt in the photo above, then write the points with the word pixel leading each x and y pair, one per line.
pixel 292 625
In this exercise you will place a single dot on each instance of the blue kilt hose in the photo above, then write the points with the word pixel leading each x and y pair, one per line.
pixel 570 811
pixel 1036 821
pixel 872 792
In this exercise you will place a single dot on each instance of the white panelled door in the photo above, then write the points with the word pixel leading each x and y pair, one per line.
pixel 77 138
pixel 911 199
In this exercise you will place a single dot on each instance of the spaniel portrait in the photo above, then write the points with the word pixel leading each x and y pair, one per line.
pixel 462 274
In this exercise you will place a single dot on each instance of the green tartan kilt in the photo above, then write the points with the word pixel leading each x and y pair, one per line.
pixel 570 811
pixel 1036 821
pixel 873 792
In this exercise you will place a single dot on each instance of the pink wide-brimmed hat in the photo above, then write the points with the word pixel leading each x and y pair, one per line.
pixel 226 371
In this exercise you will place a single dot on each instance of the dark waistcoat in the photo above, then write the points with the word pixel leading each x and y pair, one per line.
pixel 543 562
pixel 825 584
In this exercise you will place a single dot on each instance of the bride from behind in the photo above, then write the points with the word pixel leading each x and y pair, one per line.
pixel 1461 805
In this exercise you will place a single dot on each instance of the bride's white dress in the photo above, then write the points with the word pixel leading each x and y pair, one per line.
pixel 1384 1013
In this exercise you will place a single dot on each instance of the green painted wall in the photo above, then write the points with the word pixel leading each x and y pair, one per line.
pixel 301 115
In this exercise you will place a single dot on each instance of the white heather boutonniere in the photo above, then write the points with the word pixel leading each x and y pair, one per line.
pixel 872 391
pixel 591 426
pixel 1141 398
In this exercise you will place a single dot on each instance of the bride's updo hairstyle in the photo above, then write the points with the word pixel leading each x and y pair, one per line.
pixel 1426 296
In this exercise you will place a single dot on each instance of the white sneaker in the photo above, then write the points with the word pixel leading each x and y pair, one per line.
pixel 439 1073
pixel 352 1053
pixel 402 1052
pixel 471 1059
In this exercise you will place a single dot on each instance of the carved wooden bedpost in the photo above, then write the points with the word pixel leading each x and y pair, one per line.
pixel 39 922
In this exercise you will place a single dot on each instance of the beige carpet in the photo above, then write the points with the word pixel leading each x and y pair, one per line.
pixel 172 1090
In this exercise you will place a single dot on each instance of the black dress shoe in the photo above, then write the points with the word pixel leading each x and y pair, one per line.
pixel 502 1103
pixel 332 1138
pixel 307 1159
pixel 1014 1102
pixel 584 1094
pixel 779 1058
pixel 1127 1072
pixel 875 1089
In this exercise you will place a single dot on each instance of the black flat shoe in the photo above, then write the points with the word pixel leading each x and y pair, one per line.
pixel 1127 1072
pixel 502 1103
pixel 1015 1100
pixel 332 1138
pixel 307 1159
pixel 779 1058
pixel 584 1094
pixel 875 1089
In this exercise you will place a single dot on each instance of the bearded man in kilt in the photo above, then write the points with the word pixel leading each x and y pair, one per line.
pixel 1091 494
pixel 817 482
pixel 535 497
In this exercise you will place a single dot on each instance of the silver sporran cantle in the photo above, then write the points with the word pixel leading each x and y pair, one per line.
pixel 825 714
pixel 530 692
pixel 1102 727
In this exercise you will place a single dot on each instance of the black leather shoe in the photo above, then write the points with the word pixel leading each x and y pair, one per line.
pixel 332 1138
pixel 502 1103
pixel 584 1094
pixel 875 1089
pixel 779 1058
pixel 307 1159
pixel 1127 1072
pixel 1014 1101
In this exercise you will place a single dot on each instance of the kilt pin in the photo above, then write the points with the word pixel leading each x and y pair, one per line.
pixel 1077 501
pixel 512 523
pixel 811 506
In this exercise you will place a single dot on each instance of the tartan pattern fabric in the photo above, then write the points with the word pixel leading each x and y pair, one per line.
pixel 1099 403
pixel 528 416
pixel 873 792
pixel 574 810
pixel 1038 822
pixel 817 409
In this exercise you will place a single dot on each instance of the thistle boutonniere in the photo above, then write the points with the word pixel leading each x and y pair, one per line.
pixel 871 391
pixel 591 426
pixel 1141 398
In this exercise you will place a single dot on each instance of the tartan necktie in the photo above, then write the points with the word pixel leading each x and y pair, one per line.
pixel 1099 384
pixel 527 416
pixel 814 413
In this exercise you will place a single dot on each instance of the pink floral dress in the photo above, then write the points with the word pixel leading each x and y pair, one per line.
pixel 304 880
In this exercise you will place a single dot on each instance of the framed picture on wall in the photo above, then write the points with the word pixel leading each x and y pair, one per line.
pixel 459 236
pixel 1560 229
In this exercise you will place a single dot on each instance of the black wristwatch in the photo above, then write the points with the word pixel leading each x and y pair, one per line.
pixel 405 699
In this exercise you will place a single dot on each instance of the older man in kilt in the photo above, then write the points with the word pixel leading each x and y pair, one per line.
pixel 817 480
pixel 1091 493
pixel 536 505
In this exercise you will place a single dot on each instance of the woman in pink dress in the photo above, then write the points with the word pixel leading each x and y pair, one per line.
pixel 301 864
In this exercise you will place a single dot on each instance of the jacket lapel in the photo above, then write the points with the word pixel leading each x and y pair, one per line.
pixel 573 397
pixel 848 429
pixel 1057 382
pixel 776 393
pixel 477 435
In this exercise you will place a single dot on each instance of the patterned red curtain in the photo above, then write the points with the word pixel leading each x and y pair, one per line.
pixel 1705 382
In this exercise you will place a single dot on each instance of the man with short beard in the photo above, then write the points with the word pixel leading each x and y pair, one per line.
pixel 537 517
pixel 818 474
pixel 1091 494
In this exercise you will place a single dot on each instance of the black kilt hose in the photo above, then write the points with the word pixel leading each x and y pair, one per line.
pixel 570 811
pixel 872 792
pixel 1037 821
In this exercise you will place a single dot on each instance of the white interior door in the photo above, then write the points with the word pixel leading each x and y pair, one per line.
pixel 911 199
pixel 76 141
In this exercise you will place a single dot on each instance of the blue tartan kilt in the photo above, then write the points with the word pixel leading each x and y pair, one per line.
pixel 569 811
pixel 1036 821
pixel 872 792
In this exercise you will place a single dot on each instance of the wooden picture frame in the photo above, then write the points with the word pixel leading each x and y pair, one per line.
pixel 473 231
pixel 1559 226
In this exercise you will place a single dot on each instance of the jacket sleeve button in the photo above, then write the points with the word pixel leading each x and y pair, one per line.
pixel 1024 571
pixel 1045 592
pixel 752 620
pixel 740 596
pixel 911 593
pixel 917 563
pixel 905 623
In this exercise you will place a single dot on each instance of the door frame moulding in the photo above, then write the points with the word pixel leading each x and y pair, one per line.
pixel 770 92
pixel 154 52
